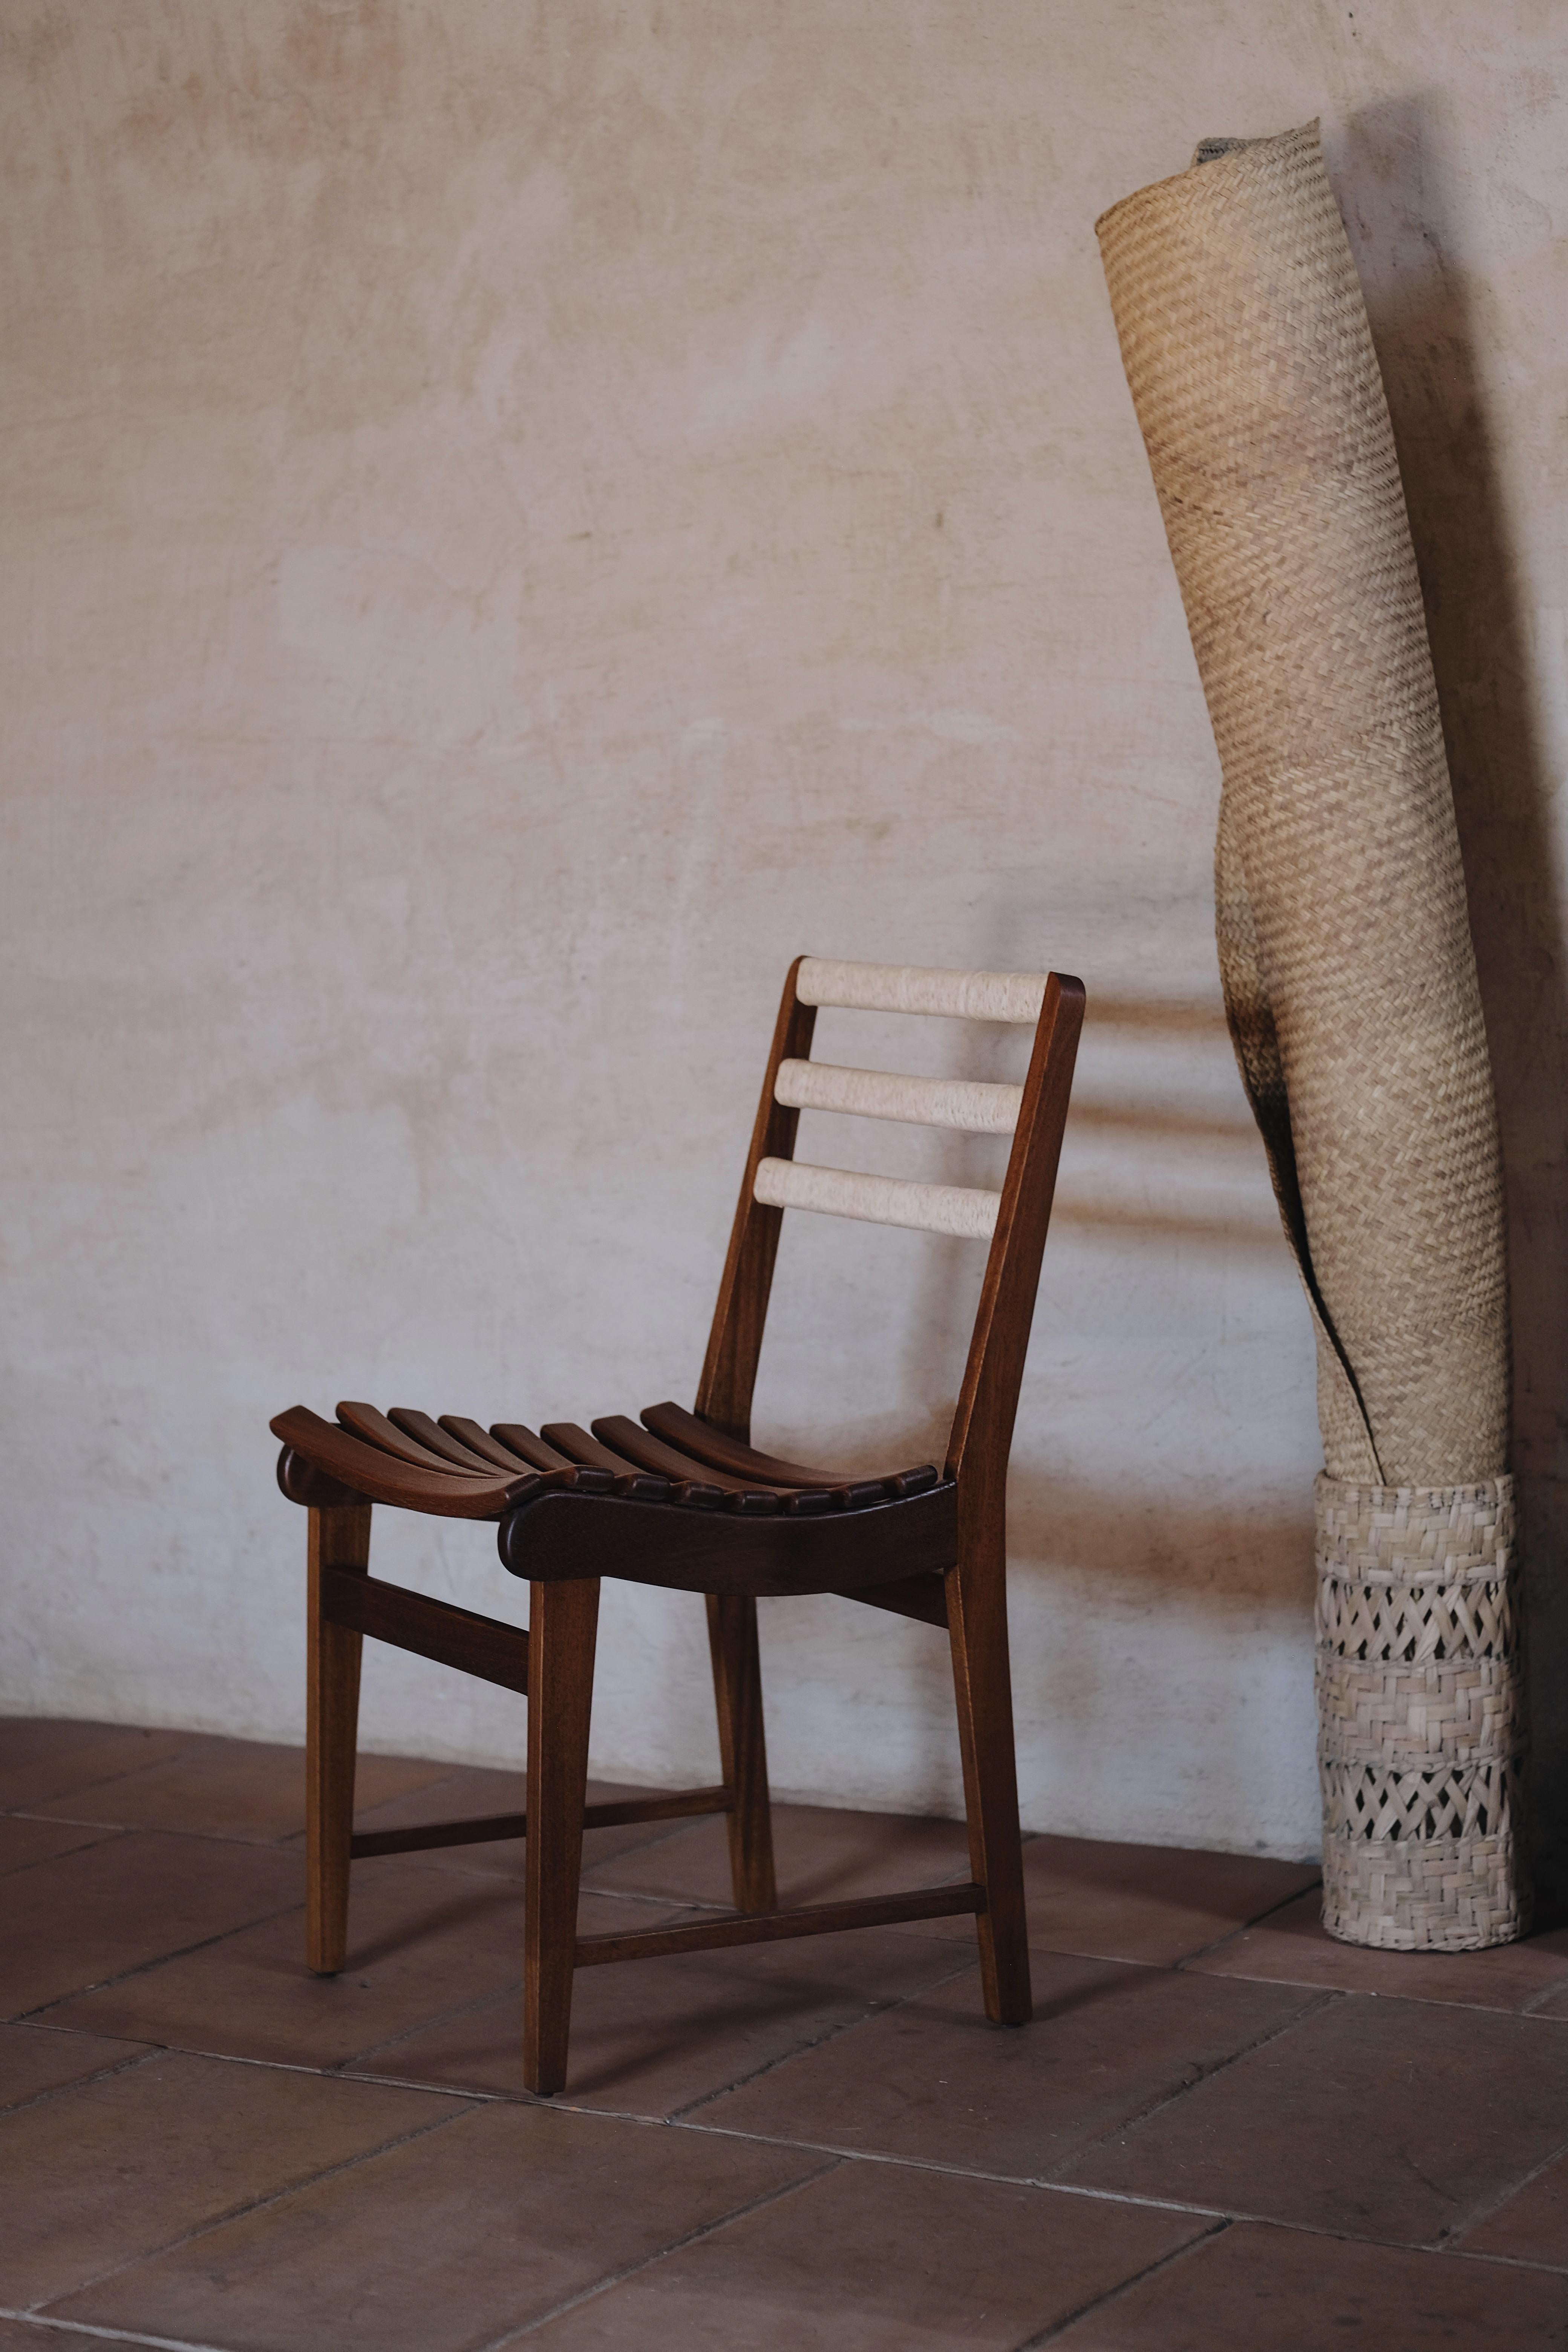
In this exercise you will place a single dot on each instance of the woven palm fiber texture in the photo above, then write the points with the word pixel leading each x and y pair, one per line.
pixel 1345 952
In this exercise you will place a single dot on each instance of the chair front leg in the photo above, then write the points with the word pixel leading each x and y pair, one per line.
pixel 563 1628
pixel 743 1750
pixel 339 1538
pixel 977 1625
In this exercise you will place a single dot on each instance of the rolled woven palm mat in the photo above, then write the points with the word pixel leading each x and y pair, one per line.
pixel 1350 986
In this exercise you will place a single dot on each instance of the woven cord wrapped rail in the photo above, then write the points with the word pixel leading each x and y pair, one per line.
pixel 1012 996
pixel 960 1209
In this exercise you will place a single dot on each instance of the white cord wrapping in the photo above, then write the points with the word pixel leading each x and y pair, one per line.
pixel 913 988
pixel 959 1209
pixel 970 1105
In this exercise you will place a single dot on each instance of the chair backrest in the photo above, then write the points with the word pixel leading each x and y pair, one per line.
pixel 1014 1221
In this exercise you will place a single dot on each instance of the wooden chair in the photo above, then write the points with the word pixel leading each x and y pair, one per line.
pixel 682 1500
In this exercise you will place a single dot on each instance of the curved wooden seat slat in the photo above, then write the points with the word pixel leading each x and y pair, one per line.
pixel 619 1456
pixel 364 1422
pixel 528 1445
pixel 650 1453
pixel 709 1446
pixel 436 1440
pixel 480 1441
pixel 647 1485
pixel 383 1477
pixel 630 1477
pixel 628 1437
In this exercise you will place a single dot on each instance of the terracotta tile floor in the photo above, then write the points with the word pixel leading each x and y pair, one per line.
pixel 1222 2130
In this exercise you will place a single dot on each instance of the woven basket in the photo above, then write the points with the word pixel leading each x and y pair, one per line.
pixel 1420 1715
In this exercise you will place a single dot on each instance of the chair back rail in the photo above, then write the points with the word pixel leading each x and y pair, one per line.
pixel 1012 996
pixel 964 1209
pixel 1015 1221
pixel 970 1105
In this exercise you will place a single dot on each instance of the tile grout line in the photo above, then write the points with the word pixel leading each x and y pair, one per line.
pixel 107 2074
pixel 1142 2116
pixel 831 2034
pixel 1246 1927
pixel 335 2074
pixel 357 2058
pixel 613 2279
pixel 1094 2195
pixel 259 2204
pixel 1058 2328
pixel 1487 2206
pixel 473 2097
pixel 131 1771
pixel 688 2118
pixel 108 1832
pixel 142 1968
pixel 932 2164
pixel 95 2332
pixel 1410 2000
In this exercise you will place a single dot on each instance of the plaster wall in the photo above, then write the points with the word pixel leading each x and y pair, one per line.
pixel 519 520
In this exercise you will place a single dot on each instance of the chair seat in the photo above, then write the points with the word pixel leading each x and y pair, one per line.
pixel 665 1499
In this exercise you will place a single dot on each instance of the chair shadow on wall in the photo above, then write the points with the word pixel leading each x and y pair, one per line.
pixel 1396 189
pixel 1224 1558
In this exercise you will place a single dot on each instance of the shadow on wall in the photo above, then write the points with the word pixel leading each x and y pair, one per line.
pixel 1221 1556
pixel 1184 1162
pixel 1161 1151
pixel 1425 321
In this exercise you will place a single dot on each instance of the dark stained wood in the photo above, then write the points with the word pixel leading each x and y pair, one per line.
pixel 438 1441
pixel 561 1534
pixel 659 1449
pixel 981 1433
pixel 695 1479
pixel 923 1597
pixel 577 1445
pixel 665 1805
pixel 778 1927
pixel 481 1646
pixel 734 1344
pixel 978 1451
pixel 983 1692
pixel 367 1471
pixel 364 1421
pixel 299 1481
pixel 705 1443
pixel 338 1547
pixel 528 1445
pixel 743 1750
pixel 563 1623
pixel 574 1506
pixel 674 1805
pixel 480 1441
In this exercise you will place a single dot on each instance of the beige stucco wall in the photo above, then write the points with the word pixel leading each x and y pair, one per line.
pixel 516 521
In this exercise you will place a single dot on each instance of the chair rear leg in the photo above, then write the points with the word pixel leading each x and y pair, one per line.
pixel 977 1623
pixel 563 1628
pixel 738 1695
pixel 339 1538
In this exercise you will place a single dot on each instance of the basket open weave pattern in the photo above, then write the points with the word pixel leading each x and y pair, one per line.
pixel 1421 1738
pixel 1344 952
